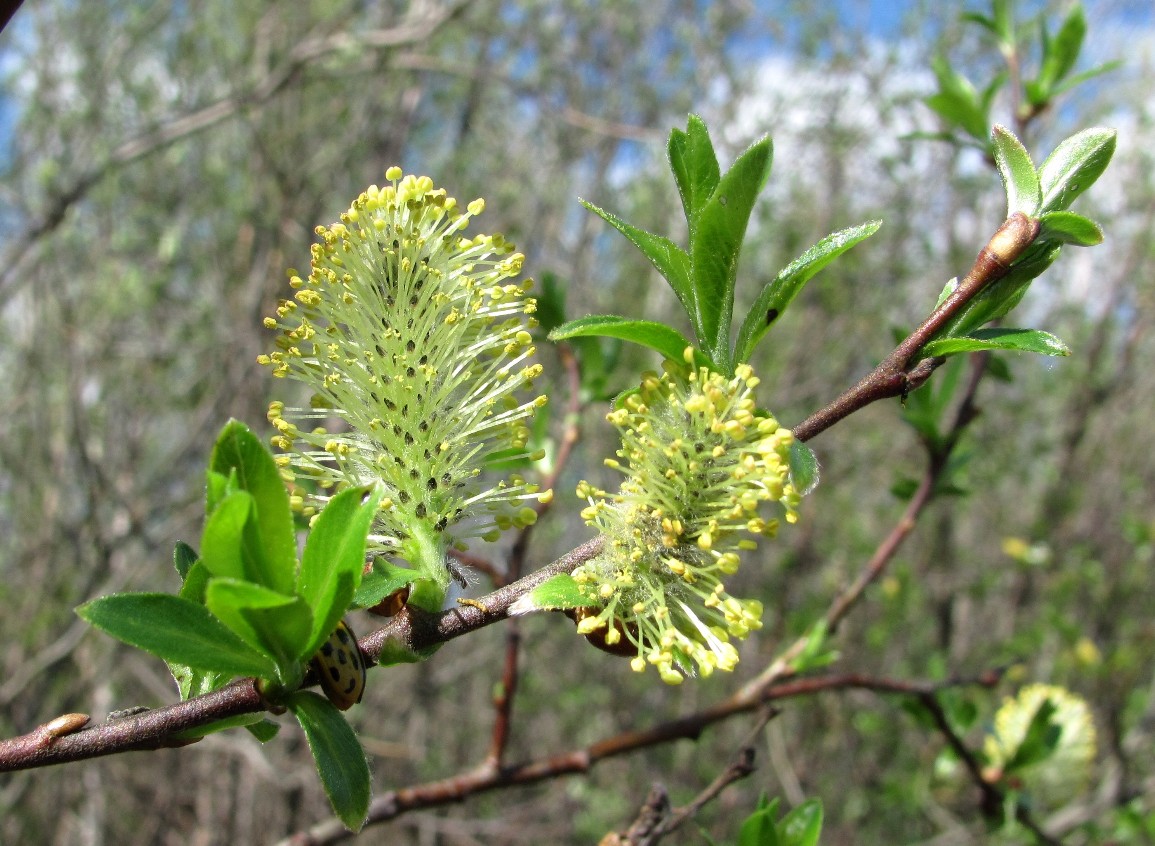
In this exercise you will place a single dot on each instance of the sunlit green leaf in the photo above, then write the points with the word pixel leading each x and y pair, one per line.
pixel 804 469
pixel 1061 52
pixel 238 450
pixel 1019 340
pixel 1079 78
pixel 229 542
pixel 715 245
pixel 760 828
pixel 334 558
pixel 695 165
pixel 1018 172
pixel 556 594
pixel 802 826
pixel 178 630
pixel 274 623
pixel 657 336
pixel 777 294
pixel 670 259
pixel 1074 166
pixel 1070 228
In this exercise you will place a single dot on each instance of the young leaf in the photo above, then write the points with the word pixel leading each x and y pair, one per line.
pixel 178 630
pixel 334 558
pixel 1039 741
pixel 382 580
pixel 195 583
pixel 192 682
pixel 1019 340
pixel 657 336
pixel 670 259
pixel 237 448
pixel 338 755
pixel 1018 172
pixel 1061 52
pixel 264 730
pixel 183 557
pixel 777 294
pixel 999 298
pixel 760 829
pixel 227 543
pixel 695 165
pixel 1074 166
pixel 1079 78
pixel 957 101
pixel 271 622
pixel 715 243
pixel 554 594
pixel 803 468
pixel 1069 228
pixel 802 826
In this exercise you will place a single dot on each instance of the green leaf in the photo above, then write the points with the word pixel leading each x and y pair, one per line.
pixel 554 594
pixel 776 295
pixel 338 754
pixel 1061 52
pixel 238 449
pixel 1004 22
pixel 715 244
pixel 759 829
pixel 192 683
pixel 958 102
pixel 803 468
pixel 1074 166
pixel 802 826
pixel 229 542
pixel 195 583
pixel 276 624
pixel 1039 741
pixel 382 580
pixel 178 630
pixel 694 164
pixel 1018 172
pixel 657 336
pixel 814 655
pixel 1019 340
pixel 265 730
pixel 1069 228
pixel 334 558
pixel 183 557
pixel 1083 76
pixel 670 259
pixel 999 298
pixel 217 487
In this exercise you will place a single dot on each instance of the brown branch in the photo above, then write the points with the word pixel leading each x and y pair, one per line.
pixel 460 787
pixel 413 630
pixel 901 371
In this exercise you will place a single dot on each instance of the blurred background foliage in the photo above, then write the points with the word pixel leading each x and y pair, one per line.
pixel 162 166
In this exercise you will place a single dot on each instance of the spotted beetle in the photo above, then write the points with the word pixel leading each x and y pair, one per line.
pixel 341 667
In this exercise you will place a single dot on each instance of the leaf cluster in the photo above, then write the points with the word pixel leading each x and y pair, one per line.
pixel 248 607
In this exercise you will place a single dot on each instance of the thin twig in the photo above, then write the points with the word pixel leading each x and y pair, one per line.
pixel 690 727
pixel 901 371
